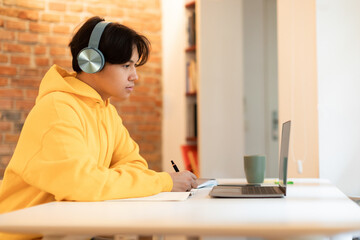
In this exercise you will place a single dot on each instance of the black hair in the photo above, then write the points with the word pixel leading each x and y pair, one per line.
pixel 116 43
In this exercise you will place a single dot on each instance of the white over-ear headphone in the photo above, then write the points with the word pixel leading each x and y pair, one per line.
pixel 91 59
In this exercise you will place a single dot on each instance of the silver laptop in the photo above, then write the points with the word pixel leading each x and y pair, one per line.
pixel 261 191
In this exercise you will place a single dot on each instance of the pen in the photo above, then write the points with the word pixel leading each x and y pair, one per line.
pixel 174 166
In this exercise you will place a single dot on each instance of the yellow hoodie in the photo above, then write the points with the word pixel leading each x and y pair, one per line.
pixel 74 147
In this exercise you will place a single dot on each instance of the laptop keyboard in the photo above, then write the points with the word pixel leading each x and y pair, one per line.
pixel 258 190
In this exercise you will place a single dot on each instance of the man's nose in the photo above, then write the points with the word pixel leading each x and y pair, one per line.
pixel 134 75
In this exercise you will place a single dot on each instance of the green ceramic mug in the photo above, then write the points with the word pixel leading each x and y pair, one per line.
pixel 254 166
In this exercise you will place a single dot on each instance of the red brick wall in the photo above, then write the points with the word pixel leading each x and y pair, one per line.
pixel 34 35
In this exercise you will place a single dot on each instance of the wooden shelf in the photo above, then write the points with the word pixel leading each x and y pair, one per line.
pixel 191 139
pixel 191 49
pixel 190 4
pixel 191 94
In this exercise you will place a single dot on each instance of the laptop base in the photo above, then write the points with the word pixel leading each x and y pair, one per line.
pixel 246 192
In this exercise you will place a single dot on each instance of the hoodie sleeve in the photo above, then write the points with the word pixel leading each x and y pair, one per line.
pixel 62 165
pixel 126 157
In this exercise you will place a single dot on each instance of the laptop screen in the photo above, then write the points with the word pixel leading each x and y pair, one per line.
pixel 284 152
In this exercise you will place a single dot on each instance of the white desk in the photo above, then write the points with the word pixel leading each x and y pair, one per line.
pixel 311 208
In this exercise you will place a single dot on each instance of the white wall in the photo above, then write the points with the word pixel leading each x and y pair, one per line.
pixel 260 81
pixel 173 47
pixel 254 76
pixel 220 94
pixel 338 53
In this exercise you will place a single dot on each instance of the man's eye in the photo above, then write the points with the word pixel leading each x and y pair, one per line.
pixel 126 65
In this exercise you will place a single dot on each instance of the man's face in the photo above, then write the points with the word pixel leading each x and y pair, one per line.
pixel 117 80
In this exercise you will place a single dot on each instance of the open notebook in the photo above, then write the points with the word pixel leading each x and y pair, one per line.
pixel 172 196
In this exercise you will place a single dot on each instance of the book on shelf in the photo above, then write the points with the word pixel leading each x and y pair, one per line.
pixel 191 76
pixel 191 28
pixel 191 121
pixel 190 157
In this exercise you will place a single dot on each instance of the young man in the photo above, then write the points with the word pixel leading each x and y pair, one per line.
pixel 73 146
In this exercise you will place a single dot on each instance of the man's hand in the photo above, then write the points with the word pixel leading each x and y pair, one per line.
pixel 183 181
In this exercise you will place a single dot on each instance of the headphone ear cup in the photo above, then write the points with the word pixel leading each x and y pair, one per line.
pixel 91 60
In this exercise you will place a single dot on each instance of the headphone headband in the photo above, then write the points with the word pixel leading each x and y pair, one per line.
pixel 96 34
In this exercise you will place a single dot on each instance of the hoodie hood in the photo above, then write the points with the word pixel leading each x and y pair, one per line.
pixel 58 79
